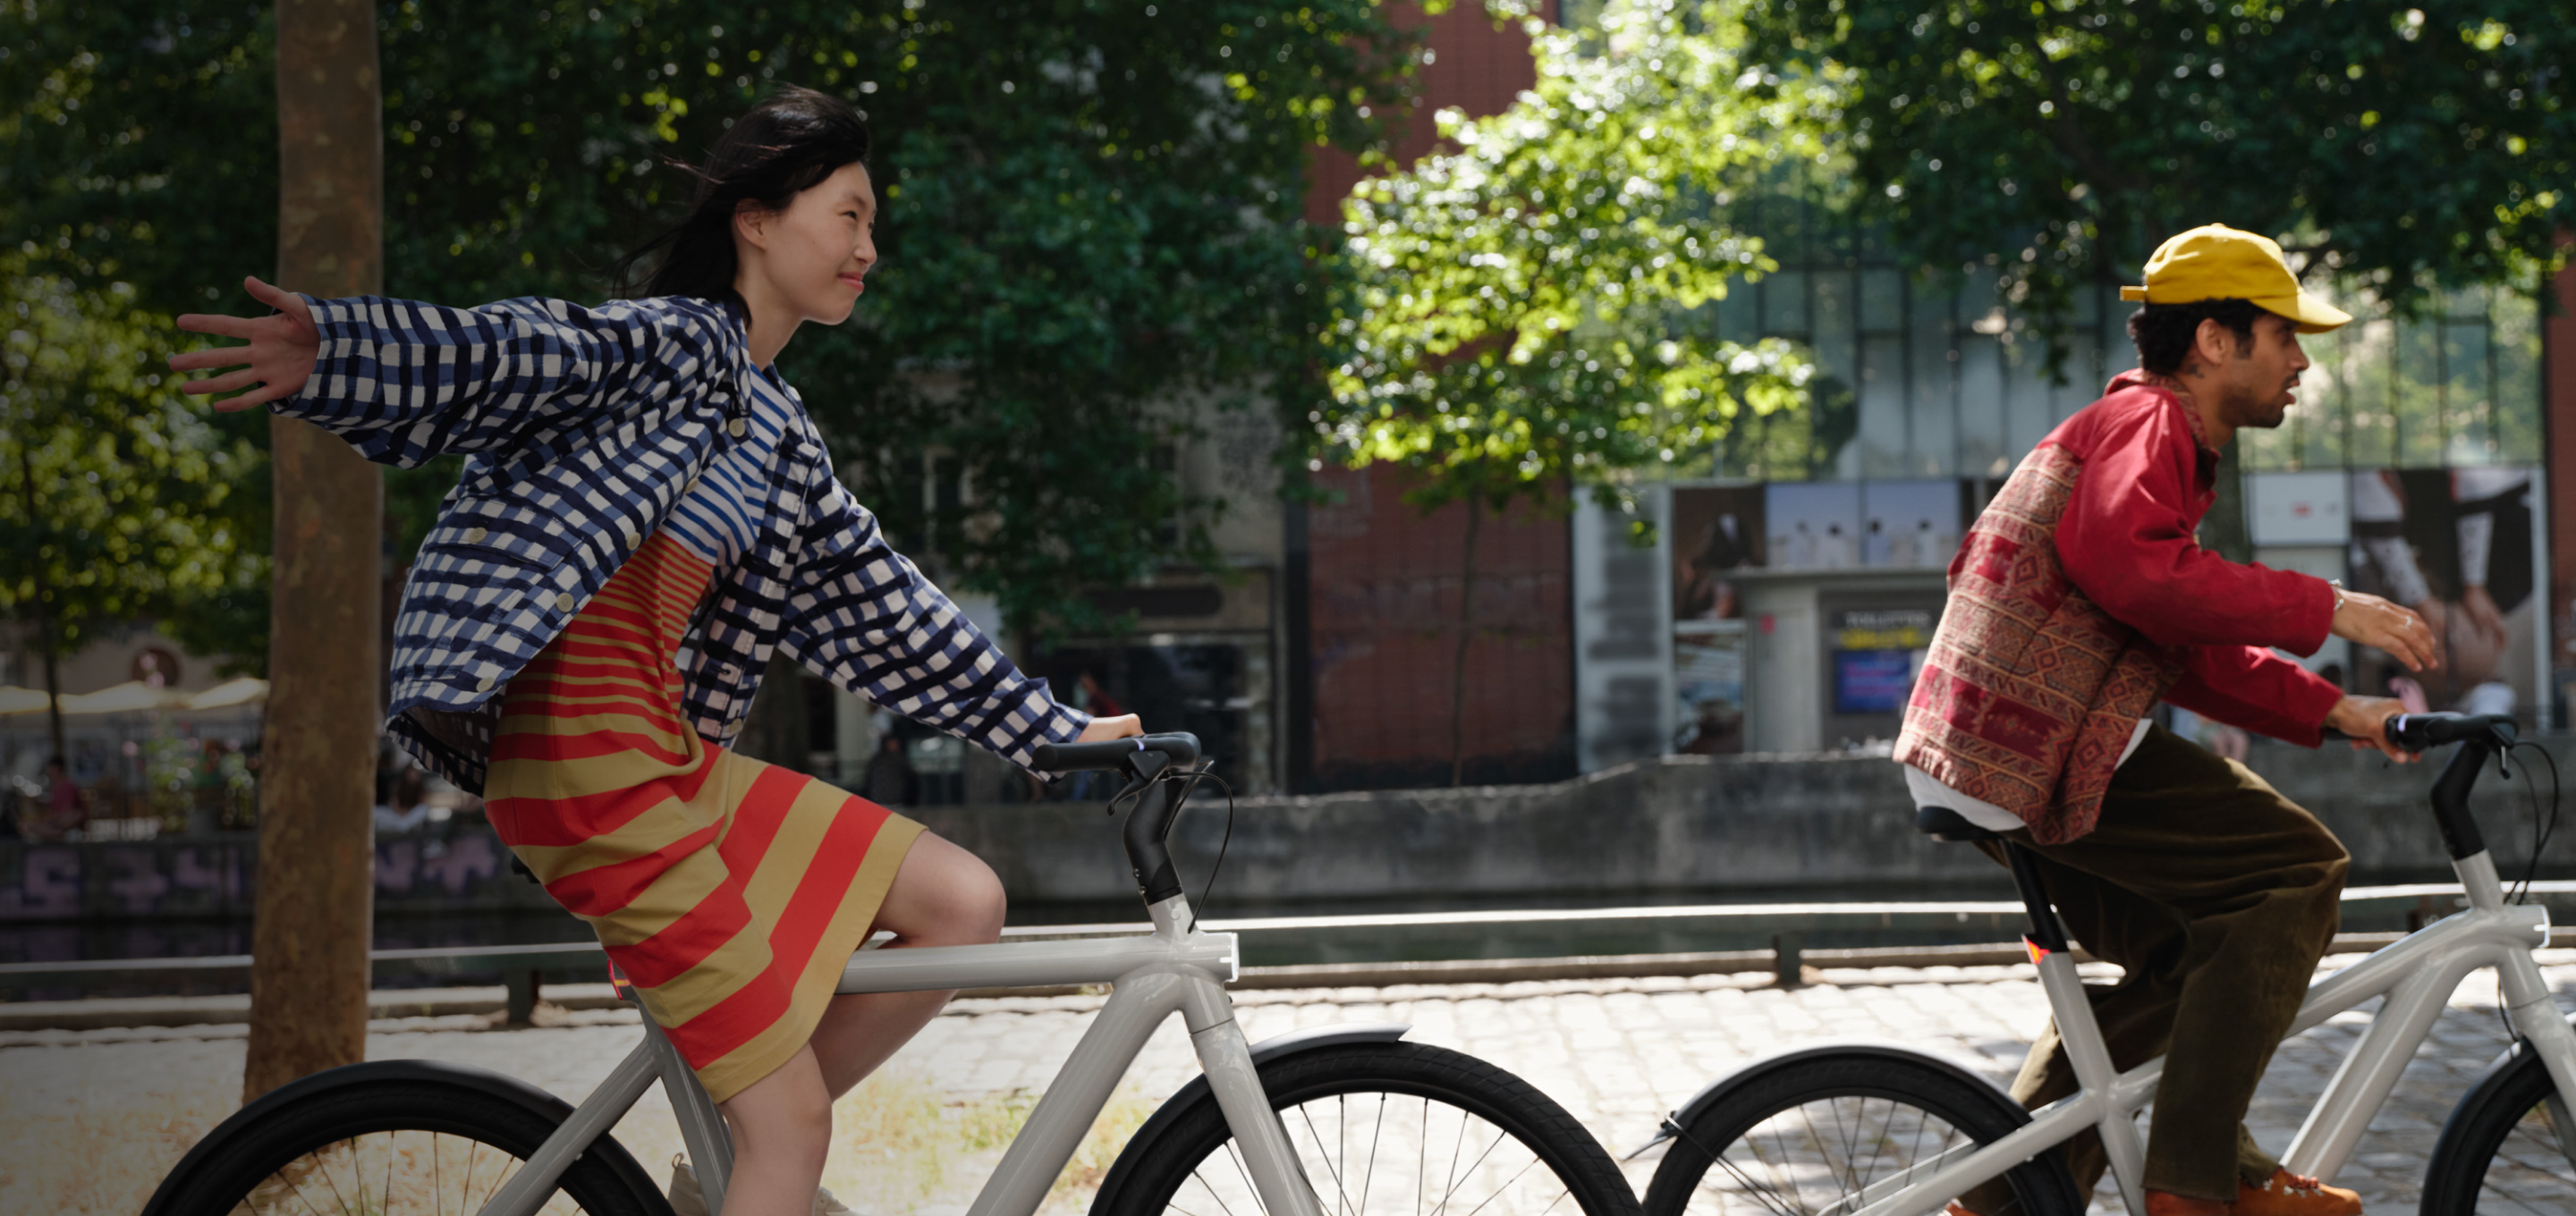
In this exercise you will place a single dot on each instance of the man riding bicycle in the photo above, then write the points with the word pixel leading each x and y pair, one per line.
pixel 2078 600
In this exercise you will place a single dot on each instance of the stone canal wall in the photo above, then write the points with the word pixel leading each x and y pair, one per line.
pixel 1677 828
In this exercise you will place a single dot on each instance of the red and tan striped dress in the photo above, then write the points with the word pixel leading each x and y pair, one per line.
pixel 730 891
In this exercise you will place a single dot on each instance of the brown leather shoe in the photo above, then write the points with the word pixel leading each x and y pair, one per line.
pixel 1955 1210
pixel 2166 1203
pixel 2288 1194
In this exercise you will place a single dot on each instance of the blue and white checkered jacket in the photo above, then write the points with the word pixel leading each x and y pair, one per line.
pixel 582 428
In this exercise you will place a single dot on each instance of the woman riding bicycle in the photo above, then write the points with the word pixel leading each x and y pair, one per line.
pixel 647 514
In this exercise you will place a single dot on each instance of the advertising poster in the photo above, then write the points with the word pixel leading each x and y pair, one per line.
pixel 1814 525
pixel 2456 545
pixel 1877 654
pixel 1911 525
pixel 1717 532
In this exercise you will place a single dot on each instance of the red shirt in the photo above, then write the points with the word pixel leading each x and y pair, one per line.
pixel 2080 596
pixel 2126 540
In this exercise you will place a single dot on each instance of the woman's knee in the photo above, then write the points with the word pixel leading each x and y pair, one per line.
pixel 787 1115
pixel 946 895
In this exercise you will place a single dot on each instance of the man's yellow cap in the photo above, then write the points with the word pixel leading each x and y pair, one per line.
pixel 2216 262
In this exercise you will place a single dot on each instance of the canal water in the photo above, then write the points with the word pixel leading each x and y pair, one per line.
pixel 1351 932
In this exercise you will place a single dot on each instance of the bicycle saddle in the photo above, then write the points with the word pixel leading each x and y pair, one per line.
pixel 1942 823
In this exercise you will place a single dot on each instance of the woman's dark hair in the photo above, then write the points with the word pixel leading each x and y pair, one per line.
pixel 2166 333
pixel 781 147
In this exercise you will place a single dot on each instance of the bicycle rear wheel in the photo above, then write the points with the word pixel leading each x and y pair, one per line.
pixel 1811 1133
pixel 408 1139
pixel 2506 1147
pixel 1385 1127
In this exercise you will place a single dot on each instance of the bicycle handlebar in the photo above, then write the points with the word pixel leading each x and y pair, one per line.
pixel 1179 748
pixel 2481 736
pixel 2416 732
pixel 1145 759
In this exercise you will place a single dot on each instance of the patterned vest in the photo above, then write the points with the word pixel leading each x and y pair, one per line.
pixel 2031 690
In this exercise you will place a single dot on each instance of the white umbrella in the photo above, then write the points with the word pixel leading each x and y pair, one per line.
pixel 248 690
pixel 132 696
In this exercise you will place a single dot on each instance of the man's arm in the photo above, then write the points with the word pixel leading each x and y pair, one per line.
pixel 2254 688
pixel 2126 541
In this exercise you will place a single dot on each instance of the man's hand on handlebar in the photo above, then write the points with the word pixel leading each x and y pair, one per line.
pixel 2366 720
pixel 2373 621
pixel 1124 726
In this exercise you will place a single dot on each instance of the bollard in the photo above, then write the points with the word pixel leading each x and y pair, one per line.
pixel 1786 962
pixel 522 1002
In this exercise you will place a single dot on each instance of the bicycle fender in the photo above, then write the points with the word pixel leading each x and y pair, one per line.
pixel 377 1072
pixel 1276 1047
pixel 1728 1083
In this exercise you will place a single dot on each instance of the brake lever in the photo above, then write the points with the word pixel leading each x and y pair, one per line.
pixel 1135 785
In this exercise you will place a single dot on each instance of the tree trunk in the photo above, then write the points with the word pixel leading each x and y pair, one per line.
pixel 54 699
pixel 315 910
pixel 48 641
pixel 1458 661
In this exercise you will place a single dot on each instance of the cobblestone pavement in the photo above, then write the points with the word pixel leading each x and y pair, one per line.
pixel 1617 1053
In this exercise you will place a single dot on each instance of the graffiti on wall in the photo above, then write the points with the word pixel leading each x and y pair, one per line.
pixel 213 876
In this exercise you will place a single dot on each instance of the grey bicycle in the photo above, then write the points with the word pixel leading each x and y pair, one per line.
pixel 1343 1119
pixel 1871 1130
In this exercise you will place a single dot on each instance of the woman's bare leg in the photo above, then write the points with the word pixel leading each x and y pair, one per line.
pixel 942 896
pixel 782 1128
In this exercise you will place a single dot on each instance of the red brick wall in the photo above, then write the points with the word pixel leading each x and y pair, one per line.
pixel 1383 579
pixel 1475 66
pixel 2558 402
pixel 1382 620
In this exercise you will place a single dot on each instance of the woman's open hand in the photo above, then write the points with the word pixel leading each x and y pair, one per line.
pixel 282 350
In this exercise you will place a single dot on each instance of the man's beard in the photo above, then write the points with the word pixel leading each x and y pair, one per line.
pixel 2259 409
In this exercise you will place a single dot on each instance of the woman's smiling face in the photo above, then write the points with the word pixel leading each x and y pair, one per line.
pixel 813 257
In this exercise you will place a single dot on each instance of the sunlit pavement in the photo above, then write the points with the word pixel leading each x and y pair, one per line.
pixel 1617 1053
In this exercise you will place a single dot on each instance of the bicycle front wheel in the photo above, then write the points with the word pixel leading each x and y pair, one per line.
pixel 1832 1132
pixel 2506 1147
pixel 1384 1127
pixel 410 1144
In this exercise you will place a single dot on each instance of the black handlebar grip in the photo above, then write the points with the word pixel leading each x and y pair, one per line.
pixel 2416 732
pixel 1181 747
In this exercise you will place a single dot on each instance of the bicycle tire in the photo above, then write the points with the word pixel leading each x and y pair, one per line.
pixel 2505 1118
pixel 357 1148
pixel 1728 1136
pixel 1467 1109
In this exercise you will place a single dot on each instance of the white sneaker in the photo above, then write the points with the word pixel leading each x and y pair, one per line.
pixel 688 1200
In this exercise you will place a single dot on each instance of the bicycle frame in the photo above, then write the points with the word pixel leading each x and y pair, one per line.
pixel 2417 975
pixel 1171 970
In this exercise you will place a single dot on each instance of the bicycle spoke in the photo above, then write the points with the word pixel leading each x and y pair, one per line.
pixel 1507 1185
pixel 1759 1191
pixel 1376 1134
pixel 1450 1187
pixel 1221 1205
pixel 1329 1165
pixel 1246 1175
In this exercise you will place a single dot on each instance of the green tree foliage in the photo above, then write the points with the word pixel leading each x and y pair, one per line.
pixel 1091 206
pixel 1519 309
pixel 1518 315
pixel 2398 147
pixel 112 488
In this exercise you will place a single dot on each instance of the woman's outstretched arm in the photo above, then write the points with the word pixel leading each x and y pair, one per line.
pixel 404 381
pixel 862 616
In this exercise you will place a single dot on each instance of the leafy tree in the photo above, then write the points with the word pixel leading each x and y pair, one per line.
pixel 112 488
pixel 2398 146
pixel 1519 314
pixel 1090 206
